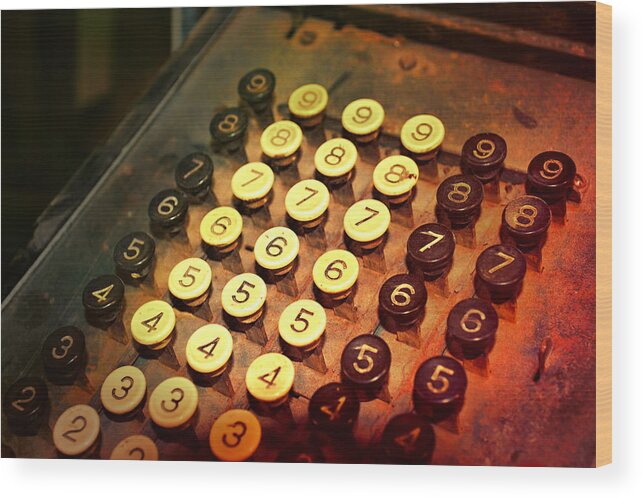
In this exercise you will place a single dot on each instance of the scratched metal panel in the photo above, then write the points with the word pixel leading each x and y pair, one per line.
pixel 508 418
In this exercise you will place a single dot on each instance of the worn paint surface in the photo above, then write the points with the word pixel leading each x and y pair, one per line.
pixel 508 418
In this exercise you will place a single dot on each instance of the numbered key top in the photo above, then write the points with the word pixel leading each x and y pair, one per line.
pixel 134 256
pixel 334 407
pixel 430 249
pixel 302 324
pixel 276 249
pixel 307 202
pixel 276 252
pixel 235 435
pixel 244 295
pixel 366 362
pixel 228 128
pixel 76 431
pixel 168 211
pixel 395 177
pixel 471 328
pixel 209 349
pixel 252 183
pixel 526 220
pixel 64 355
pixel 402 300
pixel 335 272
pixel 409 439
pixel 123 391
pixel 550 176
pixel 103 298
pixel 174 403
pixel 280 142
pixel 270 377
pixel 193 175
pixel 135 447
pixel 363 119
pixel 190 282
pixel 458 199
pixel 256 88
pixel 422 136
pixel 307 104
pixel 153 323
pixel 26 405
pixel 439 387
pixel 483 155
pixel 500 270
pixel 221 228
pixel 335 160
pixel 367 221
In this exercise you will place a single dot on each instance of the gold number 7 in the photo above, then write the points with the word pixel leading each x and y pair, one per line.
pixel 508 260
pixel 438 238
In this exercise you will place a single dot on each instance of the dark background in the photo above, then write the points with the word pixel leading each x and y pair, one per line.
pixel 68 79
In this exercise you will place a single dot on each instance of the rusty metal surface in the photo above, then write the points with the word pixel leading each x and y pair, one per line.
pixel 508 418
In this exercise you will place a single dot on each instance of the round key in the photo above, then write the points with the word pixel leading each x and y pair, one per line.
pixel 430 248
pixel 173 402
pixel 252 181
pixel 367 220
pixel 153 323
pixel 270 377
pixel 408 438
pixel 550 175
pixel 471 328
pixel 335 271
pixel 26 403
pixel 168 209
pixel 302 323
pixel 193 175
pixel 76 430
pixel 190 279
pixel 422 134
pixel 363 117
pixel 526 219
pixel 403 297
pixel 439 387
pixel 484 154
pixel 307 200
pixel 333 407
pixel 308 101
pixel 460 196
pixel 63 352
pixel 104 295
pixel 135 447
pixel 209 349
pixel 335 157
pixel 281 139
pixel 366 361
pixel 256 87
pixel 276 248
pixel 221 227
pixel 123 390
pixel 229 125
pixel 501 268
pixel 244 295
pixel 395 176
pixel 134 254
pixel 235 435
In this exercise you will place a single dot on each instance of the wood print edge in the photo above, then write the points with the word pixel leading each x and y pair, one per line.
pixel 603 234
